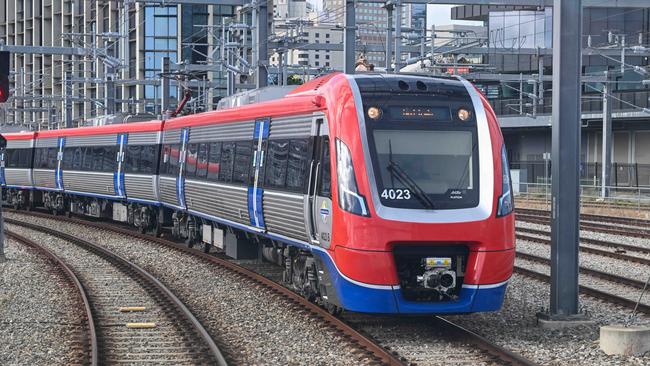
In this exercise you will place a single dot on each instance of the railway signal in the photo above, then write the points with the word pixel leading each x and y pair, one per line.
pixel 4 75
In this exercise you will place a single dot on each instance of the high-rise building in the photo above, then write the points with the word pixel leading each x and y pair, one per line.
pixel 372 23
pixel 83 40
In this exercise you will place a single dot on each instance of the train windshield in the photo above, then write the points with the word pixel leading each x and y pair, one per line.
pixel 423 156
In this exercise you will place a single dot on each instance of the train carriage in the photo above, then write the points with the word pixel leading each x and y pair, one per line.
pixel 376 193
pixel 16 168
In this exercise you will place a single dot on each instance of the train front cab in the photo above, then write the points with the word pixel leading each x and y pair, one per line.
pixel 423 222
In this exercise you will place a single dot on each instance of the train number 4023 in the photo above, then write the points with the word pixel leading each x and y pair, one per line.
pixel 396 194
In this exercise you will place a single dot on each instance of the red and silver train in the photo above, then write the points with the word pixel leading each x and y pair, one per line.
pixel 376 193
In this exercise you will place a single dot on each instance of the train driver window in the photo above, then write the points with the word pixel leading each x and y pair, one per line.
pixel 325 189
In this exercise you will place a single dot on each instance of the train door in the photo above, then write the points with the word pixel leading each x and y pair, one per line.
pixel 180 179
pixel 58 173
pixel 255 191
pixel 118 173
pixel 320 192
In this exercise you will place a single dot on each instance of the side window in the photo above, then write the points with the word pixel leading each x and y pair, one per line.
pixel 297 164
pixel 214 160
pixel 39 160
pixel 148 159
pixel 325 189
pixel 77 158
pixel 276 163
pixel 243 161
pixel 132 159
pixel 227 161
pixel 12 158
pixel 165 153
pixel 190 160
pixel 202 161
pixel 174 152
pixel 52 155
pixel 68 156
pixel 98 158
pixel 110 158
pixel 87 163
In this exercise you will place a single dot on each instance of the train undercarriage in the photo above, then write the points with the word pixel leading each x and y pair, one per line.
pixel 301 270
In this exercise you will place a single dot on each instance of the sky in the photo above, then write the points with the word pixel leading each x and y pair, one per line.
pixel 436 14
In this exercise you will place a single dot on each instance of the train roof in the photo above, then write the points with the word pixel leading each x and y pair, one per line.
pixel 18 135
pixel 149 126
pixel 288 105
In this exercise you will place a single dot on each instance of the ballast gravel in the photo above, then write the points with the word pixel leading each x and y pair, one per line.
pixel 267 332
pixel 40 320
pixel 256 326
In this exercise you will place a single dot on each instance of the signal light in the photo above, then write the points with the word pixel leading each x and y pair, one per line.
pixel 4 76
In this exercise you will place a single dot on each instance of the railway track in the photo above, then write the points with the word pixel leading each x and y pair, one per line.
pixel 131 316
pixel 480 350
pixel 590 290
pixel 616 254
pixel 594 223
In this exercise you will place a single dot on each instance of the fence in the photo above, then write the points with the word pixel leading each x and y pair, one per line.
pixel 622 175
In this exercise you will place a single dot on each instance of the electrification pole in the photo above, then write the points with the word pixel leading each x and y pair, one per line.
pixel 262 48
pixel 607 137
pixel 349 38
pixel 565 170
pixel 389 36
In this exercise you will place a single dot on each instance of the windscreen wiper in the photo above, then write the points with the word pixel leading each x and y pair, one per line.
pixel 406 180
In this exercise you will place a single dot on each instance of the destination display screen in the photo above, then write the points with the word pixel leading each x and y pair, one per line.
pixel 420 113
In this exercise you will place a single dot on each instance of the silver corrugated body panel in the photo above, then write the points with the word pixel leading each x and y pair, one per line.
pixel 88 182
pixel 224 201
pixel 223 132
pixel 48 142
pixel 44 178
pixel 167 186
pixel 289 127
pixel 19 144
pixel 143 138
pixel 140 186
pixel 172 136
pixel 18 177
pixel 285 214
pixel 95 140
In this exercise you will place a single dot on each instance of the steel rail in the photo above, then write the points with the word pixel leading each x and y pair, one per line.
pixel 72 277
pixel 143 274
pixel 597 242
pixel 591 226
pixel 603 253
pixel 365 344
pixel 586 216
pixel 484 344
pixel 587 291
pixel 588 271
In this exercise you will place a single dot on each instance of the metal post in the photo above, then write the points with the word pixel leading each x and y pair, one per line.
pixel 67 83
pixel 165 86
pixel 521 90
pixel 262 49
pixel 607 137
pixel 398 36
pixel 389 36
pixel 349 38
pixel 109 93
pixel 3 258
pixel 565 199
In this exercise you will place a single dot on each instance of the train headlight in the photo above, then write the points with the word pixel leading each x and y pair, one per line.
pixel 374 112
pixel 349 198
pixel 464 114
pixel 506 204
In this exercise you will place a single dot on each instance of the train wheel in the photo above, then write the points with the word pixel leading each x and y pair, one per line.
pixel 206 247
